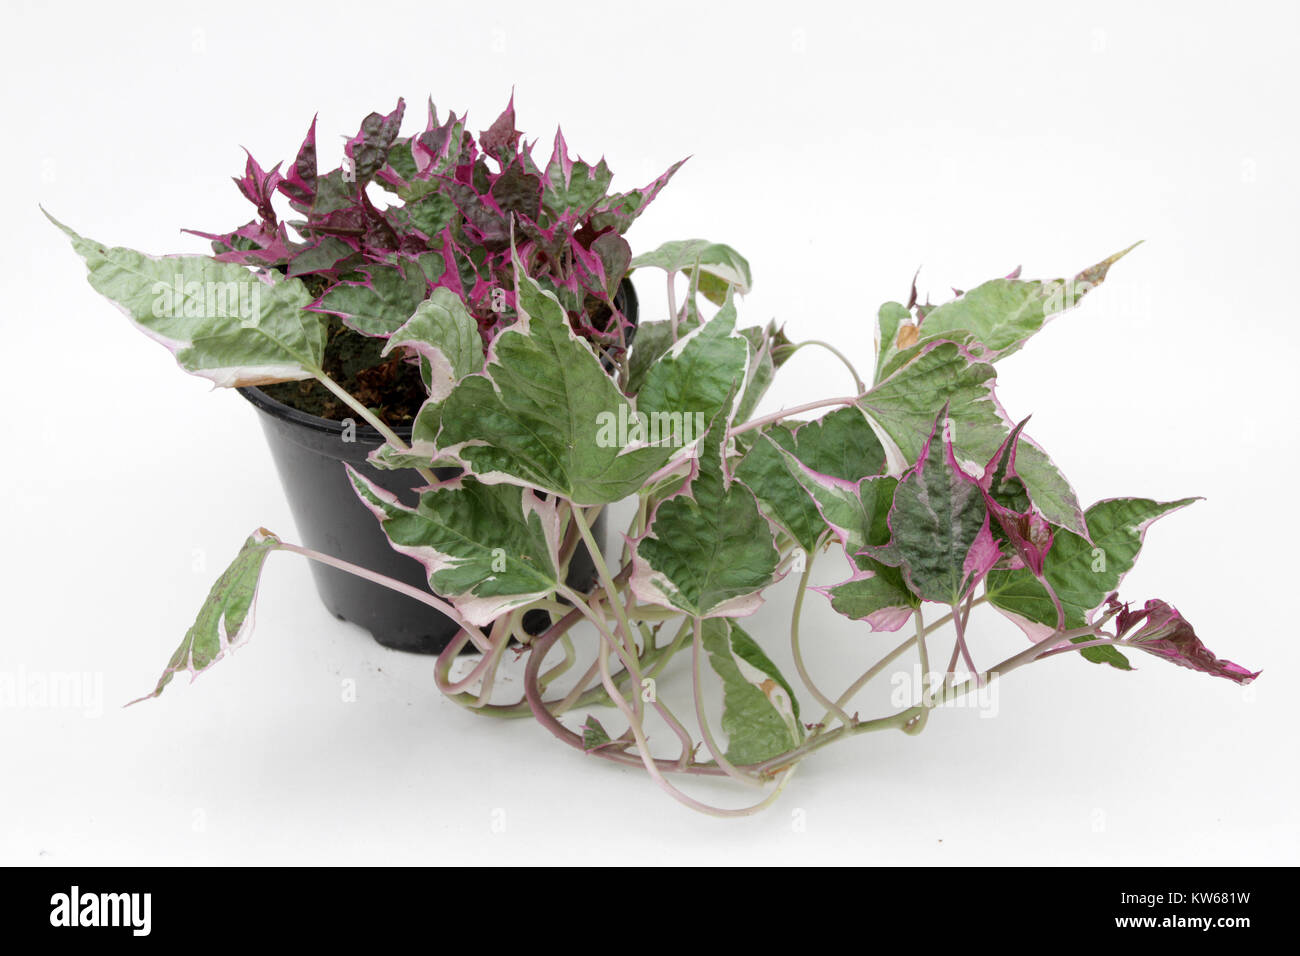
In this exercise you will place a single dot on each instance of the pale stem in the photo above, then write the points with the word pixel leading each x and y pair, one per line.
pixel 371 419
pixel 672 302
pixel 787 412
pixel 959 624
pixel 401 587
pixel 927 701
pixel 606 579
pixel 652 768
pixel 857 379
pixel 795 651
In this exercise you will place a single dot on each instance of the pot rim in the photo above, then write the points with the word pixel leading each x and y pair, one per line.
pixel 265 403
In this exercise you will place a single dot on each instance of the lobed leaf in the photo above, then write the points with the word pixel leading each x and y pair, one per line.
pixel 487 548
pixel 1081 571
pixel 941 373
pixel 760 714
pixel 700 374
pixel 939 526
pixel 534 416
pixel 841 445
pixel 445 337
pixel 226 618
pixel 1000 314
pixel 220 320
pixel 708 550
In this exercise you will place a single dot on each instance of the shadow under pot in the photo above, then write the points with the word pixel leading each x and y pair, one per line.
pixel 309 454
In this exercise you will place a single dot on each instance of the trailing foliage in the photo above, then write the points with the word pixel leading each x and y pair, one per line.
pixel 935 498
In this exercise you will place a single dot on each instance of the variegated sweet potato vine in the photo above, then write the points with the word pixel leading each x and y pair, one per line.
pixel 934 496
pixel 461 202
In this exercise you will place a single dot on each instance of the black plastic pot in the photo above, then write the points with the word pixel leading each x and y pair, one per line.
pixel 309 453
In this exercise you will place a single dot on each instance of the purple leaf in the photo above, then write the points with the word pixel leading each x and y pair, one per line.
pixel 1024 527
pixel 1166 633
pixel 300 183
pixel 501 139
pixel 368 150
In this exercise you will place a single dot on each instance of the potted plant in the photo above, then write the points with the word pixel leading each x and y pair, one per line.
pixel 454 203
pixel 934 498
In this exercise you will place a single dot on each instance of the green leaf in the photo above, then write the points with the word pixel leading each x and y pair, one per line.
pixel 721 268
pixel 857 512
pixel 219 320
pixel 904 405
pixel 708 550
pixel 577 191
pixel 941 373
pixel 226 616
pixel 761 368
pixel 432 214
pixel 889 319
pixel 544 413
pixel 760 715
pixel 698 376
pixel 840 444
pixel 1003 313
pixel 1081 572
pixel 487 548
pixel 446 337
pixel 1104 654
pixel 324 256
pixel 380 303
pixel 594 735
pixel 653 340
pixel 938 519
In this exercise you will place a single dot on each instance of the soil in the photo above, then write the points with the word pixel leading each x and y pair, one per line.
pixel 389 386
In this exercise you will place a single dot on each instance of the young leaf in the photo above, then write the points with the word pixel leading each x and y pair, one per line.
pixel 220 320
pixel 1003 313
pixel 226 617
pixel 708 550
pixel 620 210
pixel 379 303
pixel 1166 634
pixel 762 366
pixel 594 735
pixel 760 715
pixel 939 525
pixel 487 548
pixel 904 404
pixel 721 268
pixel 891 317
pixel 1020 523
pixel 1081 572
pixel 446 337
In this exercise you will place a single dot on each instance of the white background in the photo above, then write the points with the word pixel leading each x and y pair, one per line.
pixel 839 150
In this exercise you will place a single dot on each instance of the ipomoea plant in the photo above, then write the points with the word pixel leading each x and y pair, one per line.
pixel 935 498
